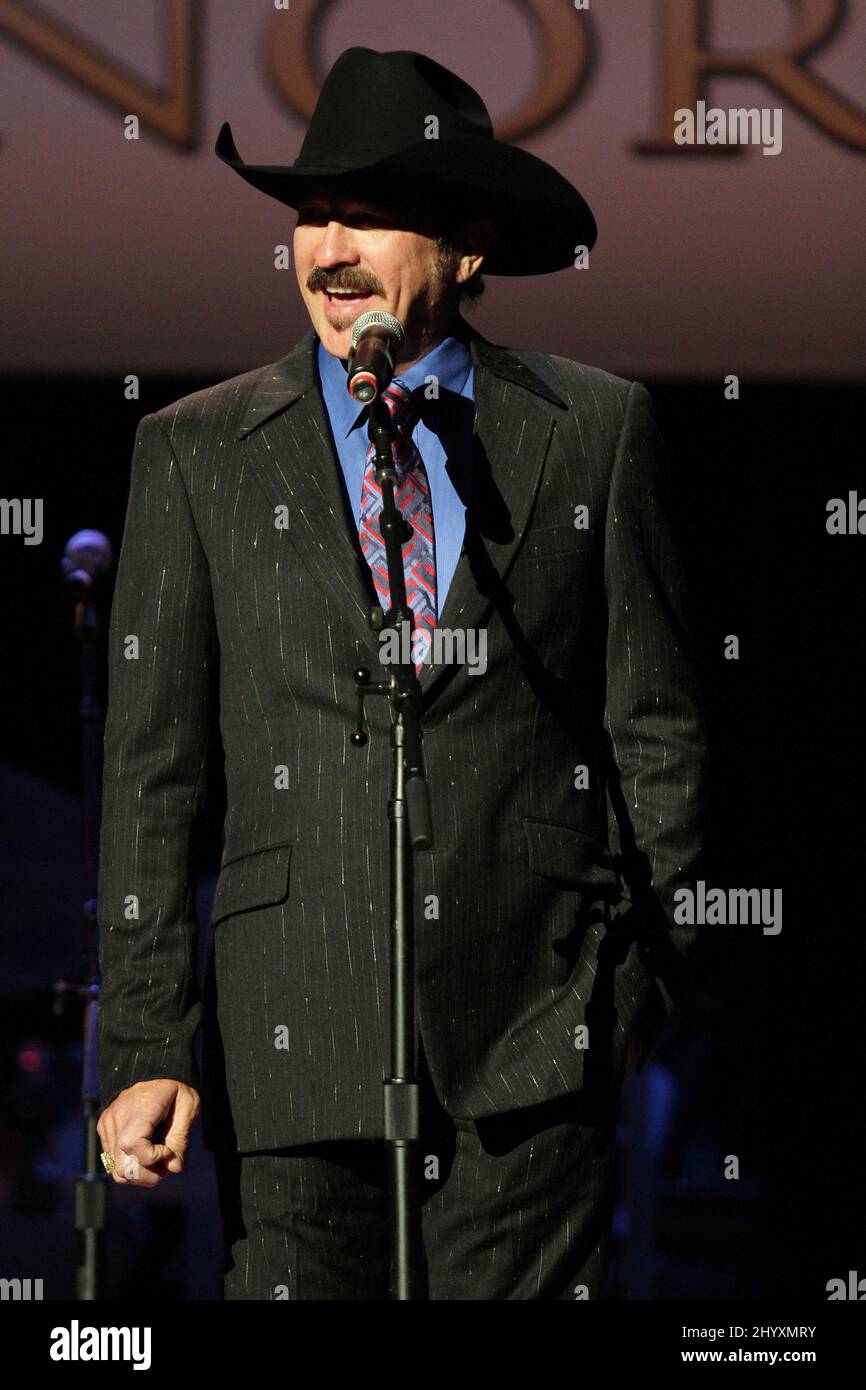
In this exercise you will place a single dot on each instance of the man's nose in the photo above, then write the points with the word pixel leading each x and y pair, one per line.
pixel 336 245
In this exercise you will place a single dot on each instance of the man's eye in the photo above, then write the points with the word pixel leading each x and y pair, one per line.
pixel 358 219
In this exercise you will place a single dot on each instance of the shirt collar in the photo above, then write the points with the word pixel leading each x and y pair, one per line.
pixel 450 361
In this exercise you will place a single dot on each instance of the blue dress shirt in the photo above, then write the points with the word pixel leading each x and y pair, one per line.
pixel 443 436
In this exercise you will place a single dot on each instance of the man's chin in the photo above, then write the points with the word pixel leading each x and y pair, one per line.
pixel 334 332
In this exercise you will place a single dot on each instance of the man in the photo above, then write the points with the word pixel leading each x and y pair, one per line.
pixel 564 770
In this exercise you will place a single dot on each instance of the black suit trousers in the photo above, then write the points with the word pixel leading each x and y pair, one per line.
pixel 520 1208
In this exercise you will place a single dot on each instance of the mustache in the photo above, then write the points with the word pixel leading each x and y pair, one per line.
pixel 321 280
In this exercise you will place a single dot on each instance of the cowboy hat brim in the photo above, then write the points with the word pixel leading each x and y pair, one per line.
pixel 541 219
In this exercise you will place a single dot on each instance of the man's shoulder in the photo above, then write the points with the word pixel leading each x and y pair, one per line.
pixel 211 404
pixel 595 407
pixel 223 407
pixel 577 382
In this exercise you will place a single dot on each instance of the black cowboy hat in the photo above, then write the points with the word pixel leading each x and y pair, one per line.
pixel 371 131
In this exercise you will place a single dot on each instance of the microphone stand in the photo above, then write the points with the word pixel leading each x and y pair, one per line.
pixel 91 1186
pixel 410 828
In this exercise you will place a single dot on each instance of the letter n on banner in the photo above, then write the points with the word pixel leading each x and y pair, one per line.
pixel 170 111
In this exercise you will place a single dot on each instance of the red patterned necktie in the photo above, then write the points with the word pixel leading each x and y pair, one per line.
pixel 412 496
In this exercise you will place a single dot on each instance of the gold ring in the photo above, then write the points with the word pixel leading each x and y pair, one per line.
pixel 108 1162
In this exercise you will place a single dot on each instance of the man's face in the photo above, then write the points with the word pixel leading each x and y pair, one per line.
pixel 381 255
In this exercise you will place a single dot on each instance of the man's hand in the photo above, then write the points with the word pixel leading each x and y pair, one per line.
pixel 126 1129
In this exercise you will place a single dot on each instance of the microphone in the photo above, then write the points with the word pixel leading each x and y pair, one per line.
pixel 370 368
pixel 88 554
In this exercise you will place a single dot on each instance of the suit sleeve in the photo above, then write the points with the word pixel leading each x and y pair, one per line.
pixel 161 654
pixel 653 710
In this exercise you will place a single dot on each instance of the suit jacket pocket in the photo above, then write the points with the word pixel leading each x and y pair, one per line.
pixel 257 879
pixel 569 856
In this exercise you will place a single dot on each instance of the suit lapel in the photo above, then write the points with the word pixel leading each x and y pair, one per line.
pixel 287 441
pixel 513 428
pixel 287 438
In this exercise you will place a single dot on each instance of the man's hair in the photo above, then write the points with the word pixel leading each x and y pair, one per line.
pixel 449 249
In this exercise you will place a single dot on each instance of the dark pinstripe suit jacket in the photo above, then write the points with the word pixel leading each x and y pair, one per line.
pixel 554 897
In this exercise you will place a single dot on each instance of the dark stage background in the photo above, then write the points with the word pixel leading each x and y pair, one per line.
pixel 145 256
